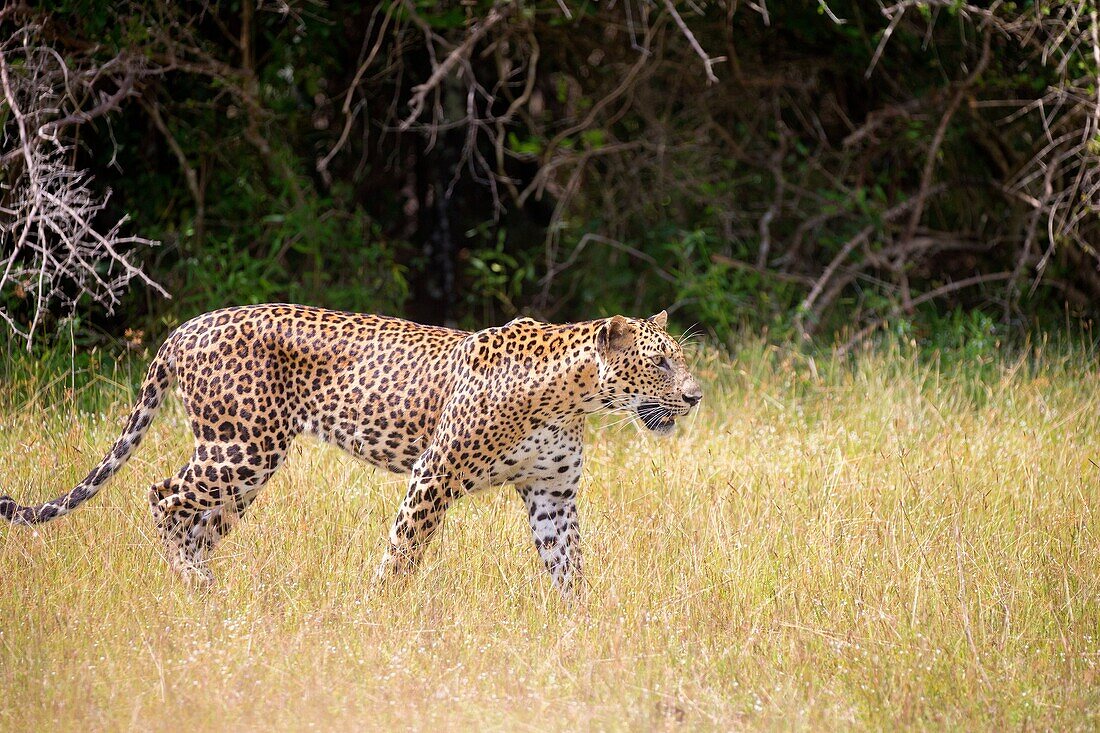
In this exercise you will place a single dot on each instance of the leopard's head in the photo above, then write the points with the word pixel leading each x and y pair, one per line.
pixel 642 369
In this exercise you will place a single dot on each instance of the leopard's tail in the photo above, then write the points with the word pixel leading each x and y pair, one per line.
pixel 158 380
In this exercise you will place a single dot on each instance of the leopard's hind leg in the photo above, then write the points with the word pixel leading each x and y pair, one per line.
pixel 199 506
pixel 213 525
pixel 174 521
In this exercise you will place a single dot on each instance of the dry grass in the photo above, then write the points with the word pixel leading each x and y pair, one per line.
pixel 876 544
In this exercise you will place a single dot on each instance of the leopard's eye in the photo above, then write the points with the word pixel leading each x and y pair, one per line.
pixel 661 362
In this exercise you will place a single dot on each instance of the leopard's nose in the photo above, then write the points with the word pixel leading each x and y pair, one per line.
pixel 693 396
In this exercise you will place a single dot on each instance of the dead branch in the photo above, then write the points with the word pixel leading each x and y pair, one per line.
pixel 420 92
pixel 765 272
pixel 813 305
pixel 189 174
pixel 347 109
pixel 917 210
pixel 614 244
pixel 708 61
pixel 513 108
pixel 775 165
pixel 109 103
pixel 51 249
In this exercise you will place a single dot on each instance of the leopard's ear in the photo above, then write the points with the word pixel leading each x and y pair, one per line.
pixel 615 334
pixel 660 320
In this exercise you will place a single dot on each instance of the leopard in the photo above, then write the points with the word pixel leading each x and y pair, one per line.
pixel 457 411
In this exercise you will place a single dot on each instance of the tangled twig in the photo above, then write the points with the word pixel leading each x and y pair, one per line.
pixel 51 247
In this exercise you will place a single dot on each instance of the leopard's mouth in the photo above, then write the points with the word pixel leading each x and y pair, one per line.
pixel 656 418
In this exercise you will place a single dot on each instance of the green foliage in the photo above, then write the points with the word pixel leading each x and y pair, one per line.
pixel 492 272
pixel 691 182
pixel 309 254
pixel 721 296
pixel 972 334
pixel 73 372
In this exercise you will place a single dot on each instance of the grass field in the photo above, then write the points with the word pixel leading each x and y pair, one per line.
pixel 890 541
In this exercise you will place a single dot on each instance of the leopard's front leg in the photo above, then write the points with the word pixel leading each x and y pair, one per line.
pixel 431 490
pixel 552 513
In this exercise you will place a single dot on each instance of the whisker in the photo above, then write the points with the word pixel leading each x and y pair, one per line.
pixel 690 333
pixel 631 419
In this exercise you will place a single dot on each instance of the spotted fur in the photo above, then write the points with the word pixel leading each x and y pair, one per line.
pixel 459 411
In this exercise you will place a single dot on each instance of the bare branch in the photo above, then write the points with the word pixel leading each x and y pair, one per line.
pixel 708 62
pixel 107 104
pixel 478 32
pixel 51 249
pixel 189 174
pixel 810 306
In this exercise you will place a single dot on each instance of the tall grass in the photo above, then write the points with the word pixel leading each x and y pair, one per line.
pixel 891 540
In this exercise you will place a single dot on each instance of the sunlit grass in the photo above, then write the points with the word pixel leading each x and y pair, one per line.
pixel 883 542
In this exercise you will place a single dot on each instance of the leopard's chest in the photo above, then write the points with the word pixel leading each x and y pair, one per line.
pixel 542 454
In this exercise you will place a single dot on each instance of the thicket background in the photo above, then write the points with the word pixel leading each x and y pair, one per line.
pixel 819 170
